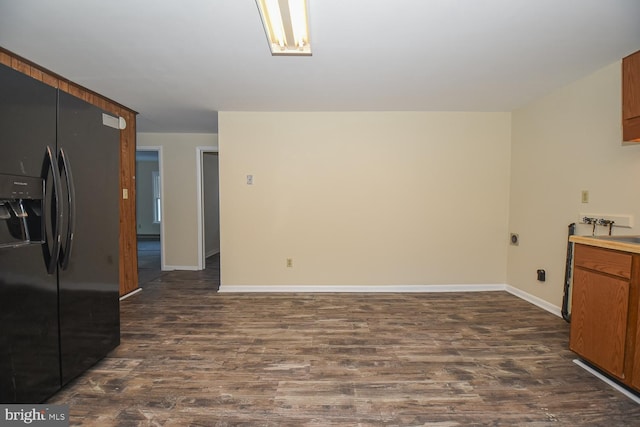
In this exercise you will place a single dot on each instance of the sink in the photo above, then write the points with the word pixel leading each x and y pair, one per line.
pixel 621 239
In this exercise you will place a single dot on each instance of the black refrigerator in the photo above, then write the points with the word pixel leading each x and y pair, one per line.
pixel 59 228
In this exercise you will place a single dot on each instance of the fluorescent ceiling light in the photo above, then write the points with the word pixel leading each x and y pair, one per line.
pixel 286 25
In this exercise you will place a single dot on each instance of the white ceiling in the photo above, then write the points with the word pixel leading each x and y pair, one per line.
pixel 180 62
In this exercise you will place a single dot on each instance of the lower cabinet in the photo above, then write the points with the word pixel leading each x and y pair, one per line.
pixel 604 311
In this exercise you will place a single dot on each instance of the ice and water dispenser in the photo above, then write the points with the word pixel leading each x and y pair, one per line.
pixel 21 205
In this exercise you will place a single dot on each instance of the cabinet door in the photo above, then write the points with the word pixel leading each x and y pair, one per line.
pixel 631 97
pixel 599 319
pixel 29 356
pixel 631 86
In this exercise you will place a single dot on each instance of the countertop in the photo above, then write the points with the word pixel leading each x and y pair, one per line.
pixel 606 242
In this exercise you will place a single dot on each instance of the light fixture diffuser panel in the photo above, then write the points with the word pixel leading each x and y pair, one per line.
pixel 286 25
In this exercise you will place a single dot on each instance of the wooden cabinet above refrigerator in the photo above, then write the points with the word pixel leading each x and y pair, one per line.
pixel 631 98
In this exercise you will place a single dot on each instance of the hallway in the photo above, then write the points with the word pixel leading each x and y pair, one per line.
pixel 149 264
pixel 149 259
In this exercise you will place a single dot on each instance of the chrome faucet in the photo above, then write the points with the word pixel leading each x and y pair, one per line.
pixel 591 221
pixel 606 223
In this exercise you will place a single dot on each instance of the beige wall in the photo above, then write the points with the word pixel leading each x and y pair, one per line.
pixel 179 191
pixel 407 198
pixel 364 198
pixel 564 143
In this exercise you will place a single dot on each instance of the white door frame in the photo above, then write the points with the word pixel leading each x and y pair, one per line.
pixel 158 149
pixel 200 208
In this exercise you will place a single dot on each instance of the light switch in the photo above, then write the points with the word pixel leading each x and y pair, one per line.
pixel 249 179
pixel 125 193
pixel 585 196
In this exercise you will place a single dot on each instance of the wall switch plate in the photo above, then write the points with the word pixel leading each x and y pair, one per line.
pixel 289 262
pixel 249 179
pixel 585 196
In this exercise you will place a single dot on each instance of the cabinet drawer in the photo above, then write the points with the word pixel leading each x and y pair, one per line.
pixel 603 260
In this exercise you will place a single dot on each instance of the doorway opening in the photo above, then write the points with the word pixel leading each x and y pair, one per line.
pixel 208 208
pixel 149 215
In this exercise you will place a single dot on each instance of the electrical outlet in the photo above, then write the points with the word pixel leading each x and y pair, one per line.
pixel 289 262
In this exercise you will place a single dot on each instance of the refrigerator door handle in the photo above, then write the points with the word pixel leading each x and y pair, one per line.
pixel 65 249
pixel 52 217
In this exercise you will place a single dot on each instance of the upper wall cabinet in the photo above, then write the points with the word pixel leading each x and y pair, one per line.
pixel 631 98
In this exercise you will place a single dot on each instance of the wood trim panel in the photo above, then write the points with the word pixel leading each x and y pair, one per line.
pixel 53 79
pixel 128 237
pixel 128 245
pixel 63 86
pixel 5 58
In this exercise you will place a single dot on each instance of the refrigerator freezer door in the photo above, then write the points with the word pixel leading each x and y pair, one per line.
pixel 89 286
pixel 29 352
pixel 29 359
pixel 27 122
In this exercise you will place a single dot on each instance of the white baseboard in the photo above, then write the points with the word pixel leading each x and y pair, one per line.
pixel 539 302
pixel 180 267
pixel 130 294
pixel 534 300
pixel 610 382
pixel 368 289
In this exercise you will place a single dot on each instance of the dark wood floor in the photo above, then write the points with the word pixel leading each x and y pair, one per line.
pixel 191 356
pixel 149 261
